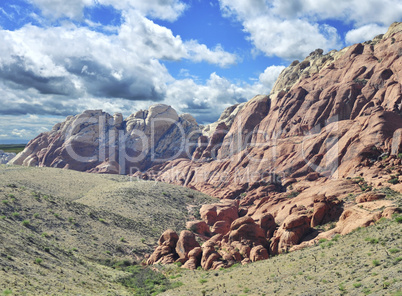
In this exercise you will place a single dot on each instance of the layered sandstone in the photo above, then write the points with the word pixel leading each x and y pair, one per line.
pixel 330 117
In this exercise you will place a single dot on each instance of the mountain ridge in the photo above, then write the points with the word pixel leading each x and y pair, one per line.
pixel 324 150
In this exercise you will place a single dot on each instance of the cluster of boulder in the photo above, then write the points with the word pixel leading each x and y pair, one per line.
pixel 229 235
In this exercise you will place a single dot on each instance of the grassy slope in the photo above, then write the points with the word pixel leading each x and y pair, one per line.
pixel 365 262
pixel 75 220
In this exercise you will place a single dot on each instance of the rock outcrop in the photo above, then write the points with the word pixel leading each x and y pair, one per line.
pixel 95 141
pixel 326 117
pixel 5 157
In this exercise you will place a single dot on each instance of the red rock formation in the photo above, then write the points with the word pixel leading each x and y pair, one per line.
pixel 224 211
pixel 165 252
pixel 293 229
pixel 323 123
pixel 185 244
pixel 199 227
pixel 369 196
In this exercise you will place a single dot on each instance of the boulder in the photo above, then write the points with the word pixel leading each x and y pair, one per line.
pixel 312 176
pixel 199 227
pixel 369 196
pixel 168 238
pixel 194 259
pixel 186 243
pixel 258 253
pixel 325 209
pixel 165 251
pixel 290 233
pixel 268 224
pixel 224 211
pixel 221 227
pixel 245 230
pixel 209 256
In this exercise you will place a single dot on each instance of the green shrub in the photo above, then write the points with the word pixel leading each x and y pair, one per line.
pixel 371 240
pixel 38 261
pixel 15 214
pixel 376 262
pixel 357 285
pixel 393 180
pixel 203 281
pixel 25 223
pixel 293 194
pixel 146 281
pixel 342 287
pixel 394 250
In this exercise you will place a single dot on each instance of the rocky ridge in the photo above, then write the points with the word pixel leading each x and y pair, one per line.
pixel 310 161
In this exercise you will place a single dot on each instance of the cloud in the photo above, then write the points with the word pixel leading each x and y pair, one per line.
pixel 292 29
pixel 57 8
pixel 274 34
pixel 71 65
pixel 349 11
pixel 24 127
pixel 364 33
pixel 207 101
pixel 200 52
pixel 270 75
pixel 74 9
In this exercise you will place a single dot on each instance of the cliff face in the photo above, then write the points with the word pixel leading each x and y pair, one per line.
pixel 327 114
pixel 95 141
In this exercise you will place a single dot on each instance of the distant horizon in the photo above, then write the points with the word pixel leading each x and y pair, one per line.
pixel 13 142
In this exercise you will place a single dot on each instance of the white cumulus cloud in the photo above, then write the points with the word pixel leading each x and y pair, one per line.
pixel 364 33
pixel 292 29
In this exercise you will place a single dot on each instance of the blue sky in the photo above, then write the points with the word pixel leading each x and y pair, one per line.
pixel 59 58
